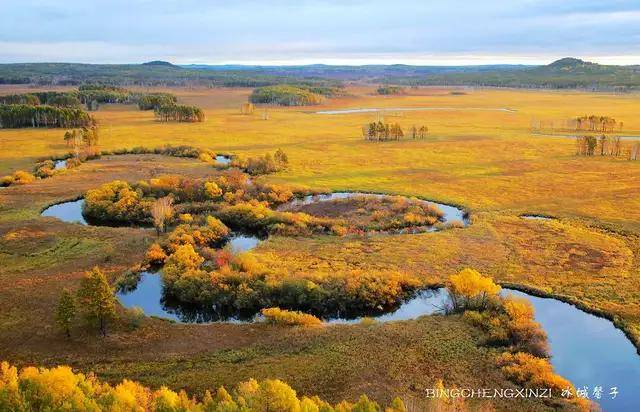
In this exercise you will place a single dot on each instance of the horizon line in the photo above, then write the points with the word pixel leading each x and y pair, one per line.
pixel 464 61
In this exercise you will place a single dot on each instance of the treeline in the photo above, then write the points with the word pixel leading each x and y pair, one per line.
pixel 380 131
pixel 72 74
pixel 563 74
pixel 51 98
pixel 285 95
pixel 178 113
pixel 91 95
pixel 593 123
pixel 606 146
pixel 60 389
pixel 388 90
pixel 23 115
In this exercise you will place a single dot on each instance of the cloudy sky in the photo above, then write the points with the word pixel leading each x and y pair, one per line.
pixel 319 31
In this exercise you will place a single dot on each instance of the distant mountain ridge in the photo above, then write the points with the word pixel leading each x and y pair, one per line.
pixel 567 72
pixel 159 63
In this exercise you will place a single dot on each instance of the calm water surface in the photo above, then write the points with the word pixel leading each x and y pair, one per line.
pixel 60 164
pixel 225 160
pixel 588 350
pixel 67 212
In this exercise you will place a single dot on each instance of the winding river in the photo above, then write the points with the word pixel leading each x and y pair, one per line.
pixel 451 213
pixel 414 109
pixel 588 350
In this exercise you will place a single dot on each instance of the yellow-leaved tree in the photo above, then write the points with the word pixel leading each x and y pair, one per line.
pixel 469 290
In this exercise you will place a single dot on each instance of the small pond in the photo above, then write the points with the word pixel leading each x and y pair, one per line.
pixel 413 109
pixel 240 242
pixel 70 212
pixel 537 217
pixel 588 350
pixel 60 164
pixel 451 213
pixel 222 159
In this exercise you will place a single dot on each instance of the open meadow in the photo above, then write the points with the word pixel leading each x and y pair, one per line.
pixel 480 154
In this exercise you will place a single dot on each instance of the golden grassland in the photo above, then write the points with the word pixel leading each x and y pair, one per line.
pixel 484 160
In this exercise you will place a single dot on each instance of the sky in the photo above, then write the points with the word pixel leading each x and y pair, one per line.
pixel 283 32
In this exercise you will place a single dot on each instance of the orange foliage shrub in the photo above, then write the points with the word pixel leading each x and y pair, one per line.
pixel 155 254
pixel 116 201
pixel 19 177
pixel 212 190
pixel 534 372
pixel 279 316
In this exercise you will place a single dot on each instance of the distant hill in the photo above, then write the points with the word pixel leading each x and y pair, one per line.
pixel 159 63
pixel 566 73
pixel 569 63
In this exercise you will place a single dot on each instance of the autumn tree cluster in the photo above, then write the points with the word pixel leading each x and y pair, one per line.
pixel 380 131
pixel 606 146
pixel 152 101
pixel 594 123
pixel 179 113
pixel 60 389
pixel 260 165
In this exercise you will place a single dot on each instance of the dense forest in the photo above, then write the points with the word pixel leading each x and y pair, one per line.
pixel 563 74
pixel 91 95
pixel 23 115
pixel 285 95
